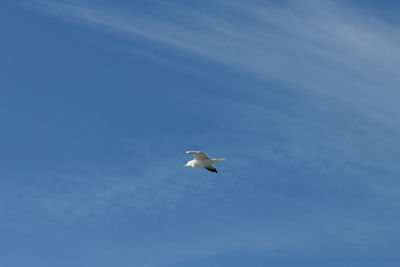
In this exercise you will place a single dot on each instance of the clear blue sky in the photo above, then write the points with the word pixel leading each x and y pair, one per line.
pixel 99 101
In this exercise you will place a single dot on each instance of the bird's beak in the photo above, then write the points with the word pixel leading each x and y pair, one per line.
pixel 185 166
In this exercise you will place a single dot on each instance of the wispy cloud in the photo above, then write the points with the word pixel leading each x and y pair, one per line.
pixel 322 46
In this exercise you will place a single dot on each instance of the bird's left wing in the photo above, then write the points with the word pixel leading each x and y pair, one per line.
pixel 198 155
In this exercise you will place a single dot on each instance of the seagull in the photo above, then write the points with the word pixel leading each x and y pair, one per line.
pixel 201 159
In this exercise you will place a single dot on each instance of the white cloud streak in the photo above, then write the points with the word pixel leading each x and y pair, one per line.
pixel 317 45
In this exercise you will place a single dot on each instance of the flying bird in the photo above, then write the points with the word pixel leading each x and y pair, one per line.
pixel 202 160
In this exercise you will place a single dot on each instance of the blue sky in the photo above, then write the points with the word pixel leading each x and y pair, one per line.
pixel 100 101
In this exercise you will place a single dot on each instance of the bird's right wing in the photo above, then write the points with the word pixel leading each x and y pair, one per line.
pixel 198 155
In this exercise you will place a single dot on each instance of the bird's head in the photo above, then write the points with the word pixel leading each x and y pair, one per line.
pixel 189 164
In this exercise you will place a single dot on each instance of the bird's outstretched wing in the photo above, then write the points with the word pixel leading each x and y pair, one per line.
pixel 198 155
pixel 211 169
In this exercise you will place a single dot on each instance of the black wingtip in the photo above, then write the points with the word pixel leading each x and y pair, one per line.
pixel 211 169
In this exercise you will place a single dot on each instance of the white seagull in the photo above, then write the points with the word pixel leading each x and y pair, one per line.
pixel 202 160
